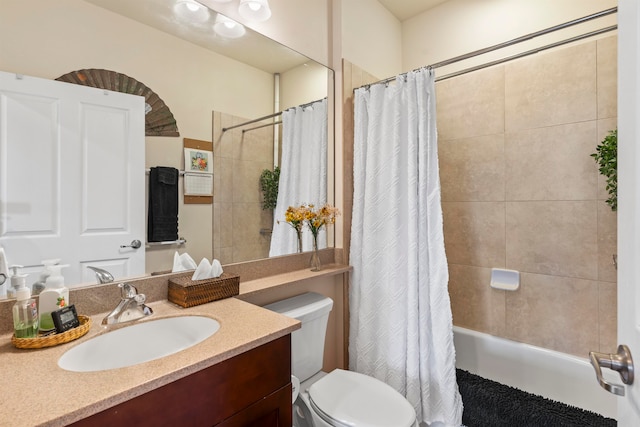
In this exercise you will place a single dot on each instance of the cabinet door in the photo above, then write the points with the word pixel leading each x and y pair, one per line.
pixel 256 381
pixel 272 411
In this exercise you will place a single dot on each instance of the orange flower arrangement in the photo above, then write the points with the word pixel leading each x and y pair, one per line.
pixel 295 218
pixel 314 218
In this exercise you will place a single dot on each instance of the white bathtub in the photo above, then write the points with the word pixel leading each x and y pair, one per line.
pixel 554 375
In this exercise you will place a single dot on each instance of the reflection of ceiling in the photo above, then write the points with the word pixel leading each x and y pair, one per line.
pixel 253 48
pixel 405 9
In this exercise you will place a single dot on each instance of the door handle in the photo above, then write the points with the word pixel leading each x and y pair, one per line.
pixel 620 362
pixel 135 244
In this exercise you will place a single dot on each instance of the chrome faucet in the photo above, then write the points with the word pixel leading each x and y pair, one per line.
pixel 131 306
pixel 103 276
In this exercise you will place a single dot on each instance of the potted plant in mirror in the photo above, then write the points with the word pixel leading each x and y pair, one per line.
pixel 269 180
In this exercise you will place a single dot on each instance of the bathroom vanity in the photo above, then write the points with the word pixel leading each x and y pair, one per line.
pixel 240 376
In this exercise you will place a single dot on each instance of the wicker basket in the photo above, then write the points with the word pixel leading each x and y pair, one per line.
pixel 55 339
pixel 187 293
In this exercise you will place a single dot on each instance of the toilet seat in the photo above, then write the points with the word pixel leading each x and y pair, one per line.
pixel 346 399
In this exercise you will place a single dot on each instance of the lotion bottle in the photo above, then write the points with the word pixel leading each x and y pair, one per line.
pixel 54 297
pixel 25 311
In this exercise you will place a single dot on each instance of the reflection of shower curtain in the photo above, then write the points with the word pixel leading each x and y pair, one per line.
pixel 303 173
pixel 401 327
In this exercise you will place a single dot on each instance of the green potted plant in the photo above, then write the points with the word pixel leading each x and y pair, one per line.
pixel 269 185
pixel 606 156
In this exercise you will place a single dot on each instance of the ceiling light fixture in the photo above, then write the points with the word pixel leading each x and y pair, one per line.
pixel 192 11
pixel 254 10
pixel 228 28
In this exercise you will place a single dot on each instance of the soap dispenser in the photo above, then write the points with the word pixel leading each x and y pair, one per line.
pixel 25 310
pixel 17 281
pixel 40 284
pixel 54 297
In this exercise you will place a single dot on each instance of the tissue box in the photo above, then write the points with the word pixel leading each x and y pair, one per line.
pixel 187 293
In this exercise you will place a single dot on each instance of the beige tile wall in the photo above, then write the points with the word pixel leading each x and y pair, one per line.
pixel 520 191
pixel 239 159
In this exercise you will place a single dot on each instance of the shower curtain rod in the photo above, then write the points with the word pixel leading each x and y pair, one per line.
pixel 252 121
pixel 516 41
pixel 527 53
pixel 262 126
pixel 266 117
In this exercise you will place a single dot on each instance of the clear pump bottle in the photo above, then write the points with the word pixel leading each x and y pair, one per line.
pixel 25 311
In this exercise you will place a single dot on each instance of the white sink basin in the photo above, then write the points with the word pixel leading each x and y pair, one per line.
pixel 138 343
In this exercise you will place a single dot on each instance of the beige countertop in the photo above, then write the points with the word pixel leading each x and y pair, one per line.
pixel 35 391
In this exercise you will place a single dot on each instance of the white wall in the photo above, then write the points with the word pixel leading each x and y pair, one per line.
pixel 371 37
pixel 457 27
pixel 305 83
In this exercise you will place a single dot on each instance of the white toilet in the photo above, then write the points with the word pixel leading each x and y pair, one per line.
pixel 339 398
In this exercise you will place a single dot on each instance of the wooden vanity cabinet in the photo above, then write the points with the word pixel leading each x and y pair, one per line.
pixel 250 389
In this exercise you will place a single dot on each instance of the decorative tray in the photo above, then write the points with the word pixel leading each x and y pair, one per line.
pixel 55 339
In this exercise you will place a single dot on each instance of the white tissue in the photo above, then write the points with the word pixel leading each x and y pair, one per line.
pixel 207 270
pixel 216 269
pixel 203 270
pixel 182 262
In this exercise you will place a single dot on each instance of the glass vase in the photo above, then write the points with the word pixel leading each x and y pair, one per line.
pixel 299 234
pixel 315 256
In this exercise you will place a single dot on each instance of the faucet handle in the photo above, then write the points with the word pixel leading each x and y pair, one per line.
pixel 127 290
pixel 140 298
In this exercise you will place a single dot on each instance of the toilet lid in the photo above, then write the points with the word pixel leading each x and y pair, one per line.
pixel 352 399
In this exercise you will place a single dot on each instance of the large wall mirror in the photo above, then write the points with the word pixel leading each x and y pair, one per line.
pixel 209 82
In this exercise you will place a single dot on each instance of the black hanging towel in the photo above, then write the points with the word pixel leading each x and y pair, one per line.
pixel 162 222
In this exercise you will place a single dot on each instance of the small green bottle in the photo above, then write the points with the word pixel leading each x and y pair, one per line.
pixel 25 314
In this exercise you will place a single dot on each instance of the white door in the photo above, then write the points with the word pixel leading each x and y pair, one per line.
pixel 71 177
pixel 629 203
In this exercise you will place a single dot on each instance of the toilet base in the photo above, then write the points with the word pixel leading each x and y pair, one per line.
pixel 303 415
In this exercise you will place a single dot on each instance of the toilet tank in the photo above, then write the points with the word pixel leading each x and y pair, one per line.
pixel 307 343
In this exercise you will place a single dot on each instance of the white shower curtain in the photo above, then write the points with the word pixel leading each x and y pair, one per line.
pixel 303 173
pixel 400 325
